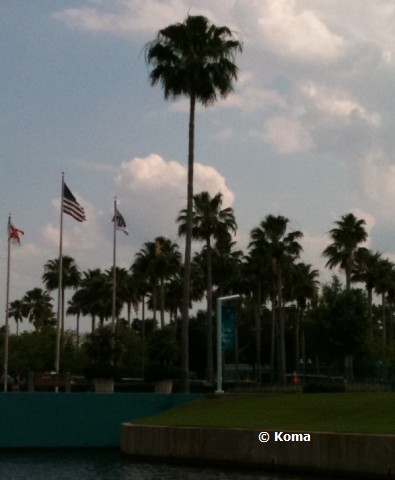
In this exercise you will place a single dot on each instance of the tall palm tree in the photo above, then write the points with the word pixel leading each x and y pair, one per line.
pixel 125 291
pixel 303 287
pixel 76 308
pixel 143 269
pixel 158 261
pixel 194 59
pixel 71 277
pixel 128 291
pixel 95 296
pixel 38 304
pixel 258 283
pixel 17 311
pixel 347 235
pixel 271 238
pixel 227 266
pixel 142 287
pixel 209 222
pixel 367 270
pixel 385 283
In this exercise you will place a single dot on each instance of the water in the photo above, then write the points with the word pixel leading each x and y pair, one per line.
pixel 110 465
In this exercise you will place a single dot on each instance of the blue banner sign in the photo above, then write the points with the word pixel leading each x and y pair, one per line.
pixel 228 324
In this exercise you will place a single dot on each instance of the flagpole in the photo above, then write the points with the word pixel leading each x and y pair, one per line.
pixel 60 281
pixel 114 262
pixel 7 305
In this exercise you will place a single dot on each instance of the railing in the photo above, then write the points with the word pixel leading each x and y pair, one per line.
pixel 49 382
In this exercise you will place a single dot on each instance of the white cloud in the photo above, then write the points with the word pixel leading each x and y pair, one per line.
pixel 253 98
pixel 374 178
pixel 287 135
pixel 338 104
pixel 154 191
pixel 295 32
pixel 153 172
pixel 124 16
pixel 79 237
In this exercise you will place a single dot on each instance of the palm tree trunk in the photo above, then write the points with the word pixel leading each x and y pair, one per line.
pixel 129 310
pixel 210 363
pixel 348 277
pixel 384 325
pixel 348 360
pixel 78 329
pixel 143 336
pixel 370 316
pixel 258 332
pixel 299 315
pixel 187 258
pixel 154 300
pixel 272 336
pixel 281 307
pixel 162 303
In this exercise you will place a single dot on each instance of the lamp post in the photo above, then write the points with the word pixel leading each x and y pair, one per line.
pixel 219 340
pixel 303 368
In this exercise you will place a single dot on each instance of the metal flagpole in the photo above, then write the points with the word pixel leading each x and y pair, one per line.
pixel 7 306
pixel 60 282
pixel 114 262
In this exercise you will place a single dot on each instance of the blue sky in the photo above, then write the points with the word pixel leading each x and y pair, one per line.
pixel 308 132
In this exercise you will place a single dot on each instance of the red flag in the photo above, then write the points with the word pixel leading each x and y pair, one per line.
pixel 14 233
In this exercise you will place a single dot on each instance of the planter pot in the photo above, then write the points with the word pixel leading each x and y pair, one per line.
pixel 104 385
pixel 164 386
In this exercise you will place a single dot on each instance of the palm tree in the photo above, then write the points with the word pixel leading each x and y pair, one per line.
pixel 271 239
pixel 38 305
pixel 71 277
pixel 347 235
pixel 367 270
pixel 76 308
pixel 143 269
pixel 128 291
pixel 227 266
pixel 194 59
pixel 258 282
pixel 125 291
pixel 17 311
pixel 209 222
pixel 303 287
pixel 167 265
pixel 141 285
pixel 158 261
pixel 385 283
pixel 95 296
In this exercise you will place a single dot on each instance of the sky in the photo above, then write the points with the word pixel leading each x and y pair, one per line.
pixel 307 132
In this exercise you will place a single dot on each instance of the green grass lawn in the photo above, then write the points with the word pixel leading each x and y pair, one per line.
pixel 343 412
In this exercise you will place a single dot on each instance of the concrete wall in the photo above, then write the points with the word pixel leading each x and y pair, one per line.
pixel 53 420
pixel 365 456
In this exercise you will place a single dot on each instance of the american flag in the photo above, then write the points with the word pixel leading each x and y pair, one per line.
pixel 71 206
pixel 120 223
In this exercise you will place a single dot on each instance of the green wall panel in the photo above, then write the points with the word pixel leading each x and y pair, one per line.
pixel 62 420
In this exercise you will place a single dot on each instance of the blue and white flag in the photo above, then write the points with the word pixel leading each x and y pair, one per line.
pixel 120 223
